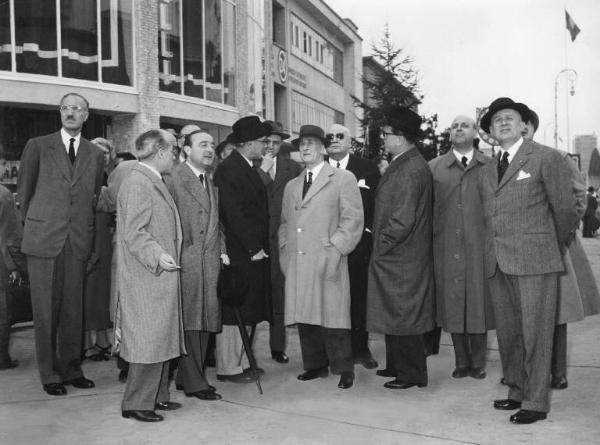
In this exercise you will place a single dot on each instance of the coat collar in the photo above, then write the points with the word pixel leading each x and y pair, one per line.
pixel 192 183
pixel 520 159
pixel 324 176
pixel 449 159
pixel 158 184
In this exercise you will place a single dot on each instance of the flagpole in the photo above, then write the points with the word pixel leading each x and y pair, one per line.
pixel 566 39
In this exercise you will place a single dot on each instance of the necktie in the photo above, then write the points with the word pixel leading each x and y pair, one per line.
pixel 72 150
pixel 337 165
pixel 201 176
pixel 464 161
pixel 502 165
pixel 307 184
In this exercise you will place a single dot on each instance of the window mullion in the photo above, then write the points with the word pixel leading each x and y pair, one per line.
pixel 58 39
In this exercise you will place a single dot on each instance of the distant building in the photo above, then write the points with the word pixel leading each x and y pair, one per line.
pixel 586 146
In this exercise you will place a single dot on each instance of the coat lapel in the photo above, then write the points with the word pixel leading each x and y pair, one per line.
pixel 394 165
pixel 320 181
pixel 194 187
pixel 59 155
pixel 281 174
pixel 520 159
pixel 84 155
pixel 213 222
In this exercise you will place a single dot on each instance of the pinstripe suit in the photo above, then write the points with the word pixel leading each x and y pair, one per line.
pixel 529 216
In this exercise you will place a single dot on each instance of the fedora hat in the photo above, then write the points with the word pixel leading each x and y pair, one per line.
pixel 277 128
pixel 404 120
pixel 503 103
pixel 534 119
pixel 249 128
pixel 310 131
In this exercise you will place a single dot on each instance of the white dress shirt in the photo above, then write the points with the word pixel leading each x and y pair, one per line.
pixel 459 155
pixel 315 171
pixel 512 150
pixel 66 139
pixel 343 162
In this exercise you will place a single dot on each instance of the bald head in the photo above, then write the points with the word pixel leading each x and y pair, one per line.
pixel 462 132
pixel 340 141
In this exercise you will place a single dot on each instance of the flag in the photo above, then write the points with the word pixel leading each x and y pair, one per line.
pixel 571 26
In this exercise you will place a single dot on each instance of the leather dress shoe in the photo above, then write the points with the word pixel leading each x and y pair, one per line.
pixel 210 388
pixel 526 416
pixel 167 406
pixel 80 382
pixel 55 389
pixel 477 373
pixel 312 374
pixel 399 384
pixel 10 364
pixel 346 380
pixel 507 404
pixel 242 377
pixel 386 373
pixel 142 416
pixel 204 394
pixel 279 356
pixel 459 373
pixel 259 370
pixel 367 361
pixel 559 383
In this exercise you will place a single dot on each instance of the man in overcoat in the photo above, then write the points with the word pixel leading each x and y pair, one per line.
pixel 321 223
pixel 245 218
pixel 366 173
pixel 530 213
pixel 462 291
pixel 149 306
pixel 276 171
pixel 400 299
pixel 59 183
pixel 196 198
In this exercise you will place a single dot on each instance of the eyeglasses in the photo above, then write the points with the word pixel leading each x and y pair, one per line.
pixel 338 136
pixel 71 108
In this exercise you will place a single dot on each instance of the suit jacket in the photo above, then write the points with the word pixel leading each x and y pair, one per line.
pixel 400 289
pixel 530 214
pixel 201 248
pixel 58 199
pixel 316 235
pixel 10 237
pixel 149 297
pixel 245 218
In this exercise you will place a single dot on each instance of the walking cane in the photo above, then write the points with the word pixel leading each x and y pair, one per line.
pixel 247 347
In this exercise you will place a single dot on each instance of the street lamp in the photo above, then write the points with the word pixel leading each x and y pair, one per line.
pixel 571 76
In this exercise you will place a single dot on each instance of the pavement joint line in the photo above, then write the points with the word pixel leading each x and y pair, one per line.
pixel 344 422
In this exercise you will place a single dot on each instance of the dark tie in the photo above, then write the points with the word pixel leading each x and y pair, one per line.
pixel 464 161
pixel 337 165
pixel 307 184
pixel 502 165
pixel 201 176
pixel 72 150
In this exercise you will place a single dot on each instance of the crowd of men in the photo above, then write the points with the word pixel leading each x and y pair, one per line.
pixel 467 243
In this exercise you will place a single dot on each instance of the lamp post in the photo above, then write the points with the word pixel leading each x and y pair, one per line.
pixel 571 76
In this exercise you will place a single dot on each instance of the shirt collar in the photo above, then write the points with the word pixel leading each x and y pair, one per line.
pixel 343 162
pixel 459 155
pixel 315 170
pixel 156 172
pixel 512 150
pixel 195 171
pixel 66 139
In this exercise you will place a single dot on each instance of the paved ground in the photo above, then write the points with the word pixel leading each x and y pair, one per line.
pixel 290 412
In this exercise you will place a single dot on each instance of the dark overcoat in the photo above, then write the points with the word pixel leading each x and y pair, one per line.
pixel 245 219
pixel 201 248
pixel 401 289
pixel 462 292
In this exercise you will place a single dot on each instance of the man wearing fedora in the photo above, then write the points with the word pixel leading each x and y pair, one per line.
pixel 530 213
pixel 321 223
pixel 245 219
pixel 400 298
pixel 276 171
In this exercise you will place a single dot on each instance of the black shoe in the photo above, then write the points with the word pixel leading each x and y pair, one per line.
pixel 210 388
pixel 205 394
pixel 142 416
pixel 123 375
pixel 507 404
pixel 80 382
pixel 399 384
pixel 459 373
pixel 526 416
pixel 346 380
pixel 559 383
pixel 477 373
pixel 10 364
pixel 280 357
pixel 312 374
pixel 386 373
pixel 242 377
pixel 55 389
pixel 259 370
pixel 167 406
pixel 367 361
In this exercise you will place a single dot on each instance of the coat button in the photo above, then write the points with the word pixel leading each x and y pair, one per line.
pixel 457 256
pixel 300 252
pixel 300 230
pixel 459 206
pixel 458 232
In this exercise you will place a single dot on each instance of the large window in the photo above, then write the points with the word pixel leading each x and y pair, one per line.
pixel 80 39
pixel 308 111
pixel 197 48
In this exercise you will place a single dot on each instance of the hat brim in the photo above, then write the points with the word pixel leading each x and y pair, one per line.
pixel 296 142
pixel 486 119
pixel 283 135
pixel 262 131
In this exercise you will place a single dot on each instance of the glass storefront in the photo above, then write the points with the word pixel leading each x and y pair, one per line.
pixel 86 39
pixel 256 57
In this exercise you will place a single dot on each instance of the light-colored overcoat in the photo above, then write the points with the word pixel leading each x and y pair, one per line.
pixel 315 237
pixel 462 292
pixel 149 297
pixel 201 248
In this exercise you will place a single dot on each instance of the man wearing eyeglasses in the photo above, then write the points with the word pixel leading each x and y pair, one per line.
pixel 367 175
pixel 59 181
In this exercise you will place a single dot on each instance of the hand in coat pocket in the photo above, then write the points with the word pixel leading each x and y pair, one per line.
pixel 333 261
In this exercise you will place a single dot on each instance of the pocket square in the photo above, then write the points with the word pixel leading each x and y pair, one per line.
pixel 362 184
pixel 523 175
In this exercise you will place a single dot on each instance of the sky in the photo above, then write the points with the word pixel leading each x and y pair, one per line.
pixel 469 52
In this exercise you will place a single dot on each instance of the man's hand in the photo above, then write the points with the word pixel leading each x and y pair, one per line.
pixel 259 256
pixel 267 162
pixel 225 259
pixel 14 277
pixel 167 262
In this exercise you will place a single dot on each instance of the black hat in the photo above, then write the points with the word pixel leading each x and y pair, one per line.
pixel 404 120
pixel 503 103
pixel 534 119
pixel 221 146
pixel 249 128
pixel 277 128
pixel 310 131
